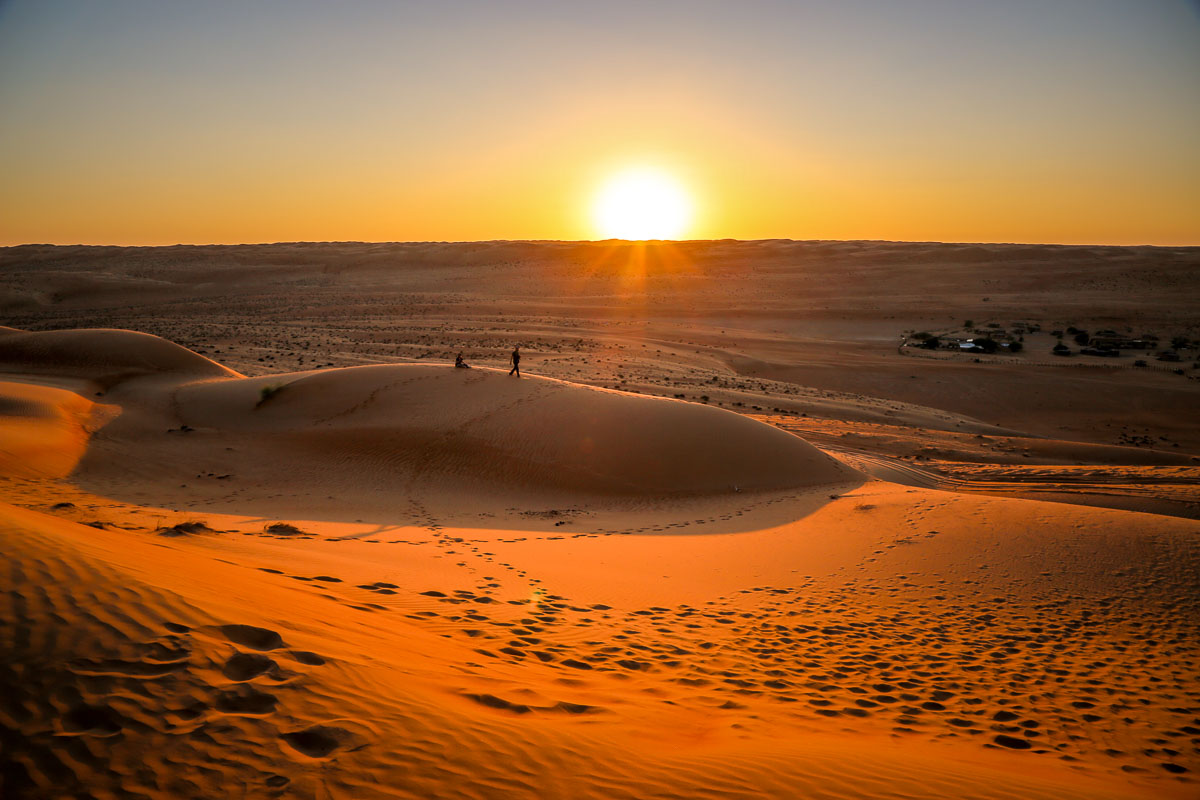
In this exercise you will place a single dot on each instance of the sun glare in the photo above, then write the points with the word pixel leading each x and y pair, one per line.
pixel 642 204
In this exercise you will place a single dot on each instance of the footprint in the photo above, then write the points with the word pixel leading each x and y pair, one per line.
pixel 252 637
pixel 319 741
pixel 570 662
pixel 1012 742
pixel 305 657
pixel 574 708
pixel 491 701
pixel 244 666
pixel 245 699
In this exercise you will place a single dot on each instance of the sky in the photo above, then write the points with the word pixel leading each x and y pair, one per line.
pixel 163 122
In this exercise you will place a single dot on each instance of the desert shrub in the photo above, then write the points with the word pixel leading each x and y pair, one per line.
pixel 267 392
pixel 282 529
pixel 185 529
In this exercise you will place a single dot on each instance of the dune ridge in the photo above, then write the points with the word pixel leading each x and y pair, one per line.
pixel 101 355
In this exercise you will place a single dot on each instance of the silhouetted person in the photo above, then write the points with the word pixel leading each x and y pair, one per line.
pixel 516 361
pixel 459 363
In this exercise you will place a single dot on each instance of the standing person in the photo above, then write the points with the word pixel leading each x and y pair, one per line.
pixel 516 361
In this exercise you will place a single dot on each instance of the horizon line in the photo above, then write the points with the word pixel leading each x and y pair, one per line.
pixel 315 242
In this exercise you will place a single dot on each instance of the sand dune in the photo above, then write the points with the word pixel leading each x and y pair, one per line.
pixel 104 356
pixel 406 580
pixel 376 435
pixel 396 424
pixel 441 424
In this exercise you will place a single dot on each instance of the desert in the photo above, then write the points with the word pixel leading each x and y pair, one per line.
pixel 624 400
pixel 736 530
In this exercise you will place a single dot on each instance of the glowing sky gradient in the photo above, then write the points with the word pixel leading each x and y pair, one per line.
pixel 955 120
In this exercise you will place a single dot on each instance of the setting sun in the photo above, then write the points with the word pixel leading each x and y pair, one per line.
pixel 642 204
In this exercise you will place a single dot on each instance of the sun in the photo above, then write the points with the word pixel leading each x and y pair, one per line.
pixel 642 203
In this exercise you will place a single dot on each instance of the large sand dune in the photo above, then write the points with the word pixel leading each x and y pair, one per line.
pixel 384 428
pixel 406 580
pixel 394 430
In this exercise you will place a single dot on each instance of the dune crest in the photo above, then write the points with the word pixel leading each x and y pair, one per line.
pixel 45 429
pixel 101 354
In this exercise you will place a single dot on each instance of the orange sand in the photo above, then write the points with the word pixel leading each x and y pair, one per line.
pixel 407 580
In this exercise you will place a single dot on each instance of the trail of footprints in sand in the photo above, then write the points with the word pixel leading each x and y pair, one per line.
pixel 1054 678
pixel 212 684
pixel 374 395
pixel 461 547
pixel 1057 678
pixel 1042 678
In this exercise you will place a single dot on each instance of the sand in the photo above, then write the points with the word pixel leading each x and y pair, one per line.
pixel 350 570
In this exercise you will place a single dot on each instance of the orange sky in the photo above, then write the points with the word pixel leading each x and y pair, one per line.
pixel 151 123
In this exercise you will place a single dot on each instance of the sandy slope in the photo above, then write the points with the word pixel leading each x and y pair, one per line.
pixel 401 431
pixel 467 601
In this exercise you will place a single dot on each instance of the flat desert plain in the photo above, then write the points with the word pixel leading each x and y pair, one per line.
pixel 757 520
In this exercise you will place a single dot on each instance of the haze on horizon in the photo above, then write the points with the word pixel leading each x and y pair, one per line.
pixel 166 122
